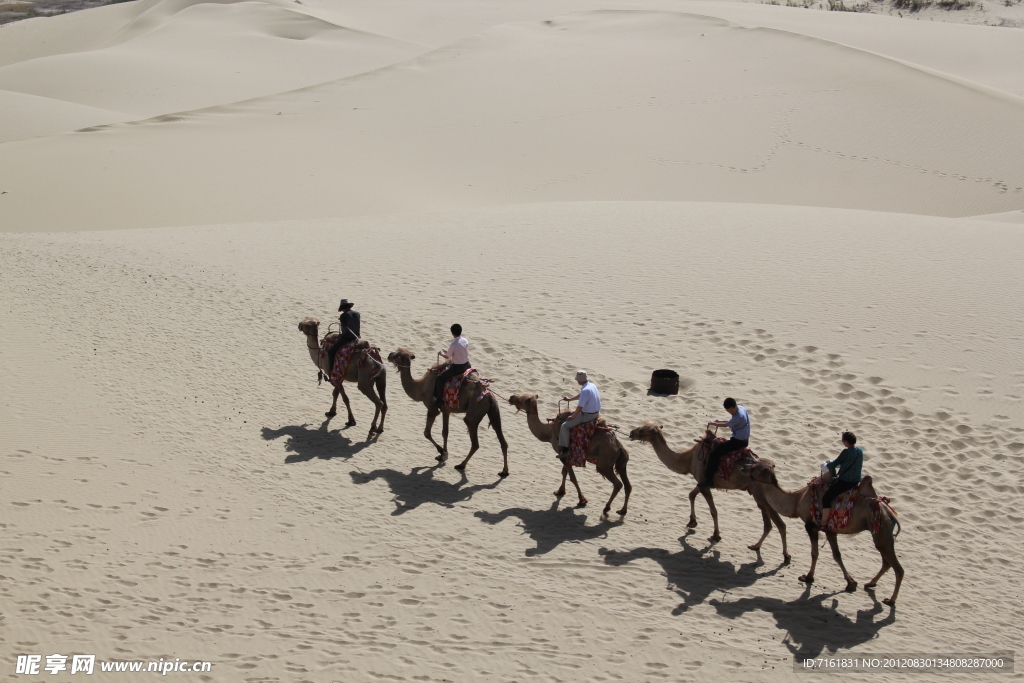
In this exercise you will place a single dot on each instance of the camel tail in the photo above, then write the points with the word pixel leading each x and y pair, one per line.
pixel 896 528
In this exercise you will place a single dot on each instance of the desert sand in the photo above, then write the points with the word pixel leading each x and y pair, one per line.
pixel 818 213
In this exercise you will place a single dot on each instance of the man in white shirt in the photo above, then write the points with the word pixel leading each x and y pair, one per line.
pixel 458 354
pixel 588 409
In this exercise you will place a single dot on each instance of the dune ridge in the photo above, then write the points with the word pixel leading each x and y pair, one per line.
pixel 846 130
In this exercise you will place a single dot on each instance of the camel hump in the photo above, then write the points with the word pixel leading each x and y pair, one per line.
pixel 865 488
pixel 330 338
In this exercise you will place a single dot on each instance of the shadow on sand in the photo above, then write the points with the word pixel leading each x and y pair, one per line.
pixel 693 573
pixel 811 625
pixel 418 486
pixel 552 527
pixel 304 443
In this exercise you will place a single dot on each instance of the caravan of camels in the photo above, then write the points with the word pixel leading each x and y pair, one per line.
pixel 839 501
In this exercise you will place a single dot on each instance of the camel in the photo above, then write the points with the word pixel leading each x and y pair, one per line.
pixel 371 378
pixel 611 455
pixel 865 508
pixel 472 401
pixel 691 461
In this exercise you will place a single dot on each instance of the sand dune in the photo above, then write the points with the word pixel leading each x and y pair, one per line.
pixel 606 105
pixel 202 55
pixel 28 116
pixel 815 212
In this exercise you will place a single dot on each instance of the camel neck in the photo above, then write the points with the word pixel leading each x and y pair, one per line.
pixel 412 387
pixel 677 462
pixel 313 346
pixel 783 502
pixel 542 430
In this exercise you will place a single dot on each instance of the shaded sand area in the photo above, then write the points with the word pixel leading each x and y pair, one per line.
pixel 777 207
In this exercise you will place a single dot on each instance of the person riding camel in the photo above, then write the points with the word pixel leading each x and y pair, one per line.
pixel 349 332
pixel 458 354
pixel 849 462
pixel 739 424
pixel 587 410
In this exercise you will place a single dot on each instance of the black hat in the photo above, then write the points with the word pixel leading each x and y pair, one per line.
pixel 345 303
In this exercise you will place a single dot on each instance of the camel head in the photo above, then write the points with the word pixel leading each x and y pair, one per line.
pixel 402 358
pixel 527 402
pixel 645 432
pixel 309 326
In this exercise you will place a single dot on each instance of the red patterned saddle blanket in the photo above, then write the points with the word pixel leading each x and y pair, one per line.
pixel 579 442
pixel 454 385
pixel 841 507
pixel 341 358
pixel 729 460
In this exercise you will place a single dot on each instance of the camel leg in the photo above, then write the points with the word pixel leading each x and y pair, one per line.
pixel 717 535
pixel 767 529
pixel 616 486
pixel 886 548
pixel 334 404
pixel 833 541
pixel 432 414
pixel 579 492
pixel 782 532
pixel 627 485
pixel 474 440
pixel 565 472
pixel 494 416
pixel 898 570
pixel 382 384
pixel 693 515
pixel 445 418
pixel 367 389
pixel 870 585
pixel 809 576
pixel 348 406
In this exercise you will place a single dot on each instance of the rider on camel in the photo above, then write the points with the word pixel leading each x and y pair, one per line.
pixel 349 320
pixel 739 424
pixel 849 463
pixel 587 410
pixel 458 354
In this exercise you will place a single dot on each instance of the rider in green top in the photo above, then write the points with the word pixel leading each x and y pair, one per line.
pixel 849 463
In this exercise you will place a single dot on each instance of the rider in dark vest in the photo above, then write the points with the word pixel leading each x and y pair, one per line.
pixel 349 320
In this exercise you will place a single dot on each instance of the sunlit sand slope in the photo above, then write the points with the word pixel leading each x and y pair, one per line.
pixel 600 105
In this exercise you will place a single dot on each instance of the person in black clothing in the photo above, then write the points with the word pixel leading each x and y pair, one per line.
pixel 349 320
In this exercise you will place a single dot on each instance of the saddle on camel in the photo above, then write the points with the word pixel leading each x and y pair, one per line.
pixel 743 456
pixel 452 387
pixel 358 348
pixel 579 442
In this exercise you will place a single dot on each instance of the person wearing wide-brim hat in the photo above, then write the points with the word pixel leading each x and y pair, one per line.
pixel 349 321
pixel 587 410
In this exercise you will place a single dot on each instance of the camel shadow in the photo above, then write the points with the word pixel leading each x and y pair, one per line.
pixel 812 627
pixel 552 527
pixel 304 443
pixel 418 486
pixel 693 573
